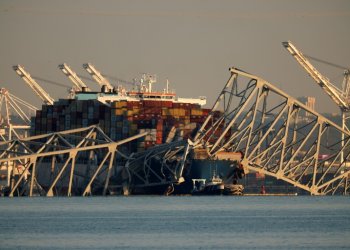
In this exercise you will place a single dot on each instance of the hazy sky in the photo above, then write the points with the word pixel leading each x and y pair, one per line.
pixel 190 42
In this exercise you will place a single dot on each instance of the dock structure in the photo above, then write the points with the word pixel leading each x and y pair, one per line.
pixel 250 117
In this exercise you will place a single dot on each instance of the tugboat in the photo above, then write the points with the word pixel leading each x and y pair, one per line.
pixel 214 187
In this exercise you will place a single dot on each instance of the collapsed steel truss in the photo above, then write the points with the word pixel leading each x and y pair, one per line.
pixel 161 165
pixel 72 162
pixel 277 135
pixel 73 158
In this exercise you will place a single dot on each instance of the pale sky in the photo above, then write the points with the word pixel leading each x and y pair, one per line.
pixel 190 42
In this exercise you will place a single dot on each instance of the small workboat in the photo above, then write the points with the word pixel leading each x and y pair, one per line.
pixel 214 187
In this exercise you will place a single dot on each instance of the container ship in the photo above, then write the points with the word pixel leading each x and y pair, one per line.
pixel 121 114
pixel 165 118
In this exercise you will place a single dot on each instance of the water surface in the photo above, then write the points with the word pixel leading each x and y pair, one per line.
pixel 158 222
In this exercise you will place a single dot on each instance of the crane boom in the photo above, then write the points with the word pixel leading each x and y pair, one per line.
pixel 43 95
pixel 97 75
pixel 346 86
pixel 73 76
pixel 336 94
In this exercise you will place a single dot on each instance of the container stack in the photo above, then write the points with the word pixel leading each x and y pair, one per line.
pixel 165 121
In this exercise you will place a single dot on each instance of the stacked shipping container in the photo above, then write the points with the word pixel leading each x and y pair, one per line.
pixel 164 120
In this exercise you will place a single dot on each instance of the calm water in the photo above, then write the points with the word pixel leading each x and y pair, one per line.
pixel 153 222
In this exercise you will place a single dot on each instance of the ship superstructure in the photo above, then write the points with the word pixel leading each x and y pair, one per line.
pixel 142 91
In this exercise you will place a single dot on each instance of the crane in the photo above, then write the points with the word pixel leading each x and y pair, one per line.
pixel 97 75
pixel 11 105
pixel 340 97
pixel 43 95
pixel 73 77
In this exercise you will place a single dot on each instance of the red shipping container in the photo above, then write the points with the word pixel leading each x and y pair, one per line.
pixel 159 124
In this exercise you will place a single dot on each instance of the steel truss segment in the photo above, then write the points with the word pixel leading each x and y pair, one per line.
pixel 280 136
pixel 25 171
pixel 67 148
pixel 88 187
pixel 160 165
